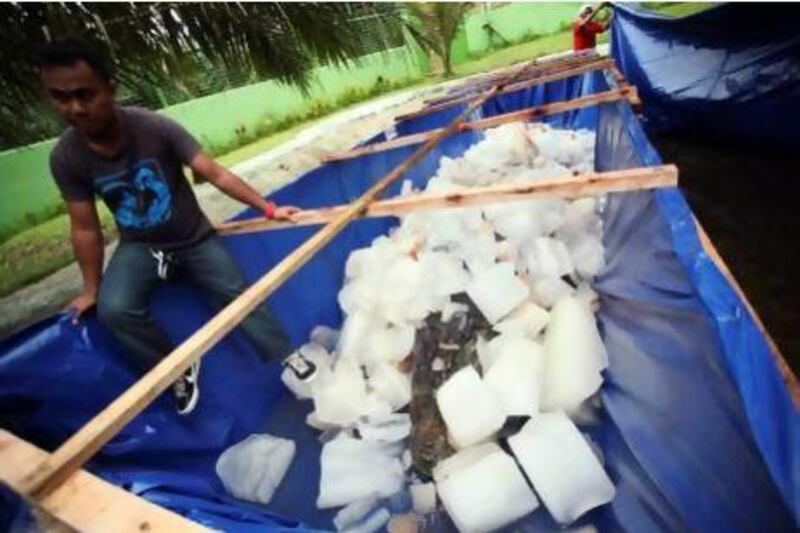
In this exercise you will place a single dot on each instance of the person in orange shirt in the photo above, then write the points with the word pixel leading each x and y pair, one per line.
pixel 585 29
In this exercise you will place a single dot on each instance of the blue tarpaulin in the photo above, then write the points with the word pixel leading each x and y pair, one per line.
pixel 731 71
pixel 698 433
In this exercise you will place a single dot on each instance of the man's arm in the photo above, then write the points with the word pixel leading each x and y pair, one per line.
pixel 594 13
pixel 235 187
pixel 87 242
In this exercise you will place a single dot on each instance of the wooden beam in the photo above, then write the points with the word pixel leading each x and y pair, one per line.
pixel 622 83
pixel 529 113
pixel 563 187
pixel 79 448
pixel 538 67
pixel 789 378
pixel 614 95
pixel 618 76
pixel 470 89
pixel 85 502
pixel 560 74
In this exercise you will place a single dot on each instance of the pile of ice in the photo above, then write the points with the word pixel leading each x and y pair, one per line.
pixel 528 267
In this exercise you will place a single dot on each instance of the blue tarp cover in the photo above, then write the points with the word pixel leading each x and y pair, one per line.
pixel 698 433
pixel 731 71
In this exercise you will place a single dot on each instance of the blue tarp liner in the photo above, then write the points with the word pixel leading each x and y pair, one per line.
pixel 731 71
pixel 699 431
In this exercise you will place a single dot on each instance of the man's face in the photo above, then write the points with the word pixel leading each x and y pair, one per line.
pixel 81 96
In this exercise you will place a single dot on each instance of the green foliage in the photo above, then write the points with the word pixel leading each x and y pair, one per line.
pixel 654 6
pixel 434 26
pixel 168 52
pixel 682 9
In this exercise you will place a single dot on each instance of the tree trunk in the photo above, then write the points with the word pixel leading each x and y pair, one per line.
pixel 436 64
pixel 448 67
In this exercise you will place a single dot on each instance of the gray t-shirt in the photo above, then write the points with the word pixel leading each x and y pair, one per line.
pixel 143 185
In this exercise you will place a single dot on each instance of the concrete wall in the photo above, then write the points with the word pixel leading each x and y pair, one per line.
pixel 27 189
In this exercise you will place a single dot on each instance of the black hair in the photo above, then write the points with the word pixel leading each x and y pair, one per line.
pixel 69 52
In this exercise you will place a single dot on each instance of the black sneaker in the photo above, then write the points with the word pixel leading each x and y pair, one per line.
pixel 187 390
pixel 304 369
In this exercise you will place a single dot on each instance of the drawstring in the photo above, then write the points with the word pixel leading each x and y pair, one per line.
pixel 163 263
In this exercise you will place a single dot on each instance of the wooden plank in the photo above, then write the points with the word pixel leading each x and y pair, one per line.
pixel 789 378
pixel 564 187
pixel 85 502
pixel 618 76
pixel 470 89
pixel 539 66
pixel 529 113
pixel 598 64
pixel 619 79
pixel 71 455
pixel 614 95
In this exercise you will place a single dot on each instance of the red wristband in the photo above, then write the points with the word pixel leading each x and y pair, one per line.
pixel 269 210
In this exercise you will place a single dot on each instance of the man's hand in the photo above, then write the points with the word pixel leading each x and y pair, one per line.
pixel 285 212
pixel 87 241
pixel 81 304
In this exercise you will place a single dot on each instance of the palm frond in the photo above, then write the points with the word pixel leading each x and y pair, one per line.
pixel 172 46
pixel 434 25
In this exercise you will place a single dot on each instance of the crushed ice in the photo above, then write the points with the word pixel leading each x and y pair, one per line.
pixel 528 267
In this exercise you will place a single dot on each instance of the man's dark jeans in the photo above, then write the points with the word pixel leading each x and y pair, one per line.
pixel 129 281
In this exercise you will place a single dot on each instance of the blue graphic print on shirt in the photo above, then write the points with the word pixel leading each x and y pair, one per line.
pixel 139 197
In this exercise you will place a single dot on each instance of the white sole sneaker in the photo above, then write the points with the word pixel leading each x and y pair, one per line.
pixel 187 390
pixel 303 368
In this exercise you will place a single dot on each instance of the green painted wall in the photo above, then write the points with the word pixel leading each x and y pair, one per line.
pixel 214 119
pixel 516 21
pixel 27 189
pixel 459 49
pixel 25 184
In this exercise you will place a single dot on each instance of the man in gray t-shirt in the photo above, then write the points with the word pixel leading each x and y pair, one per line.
pixel 142 184
pixel 133 159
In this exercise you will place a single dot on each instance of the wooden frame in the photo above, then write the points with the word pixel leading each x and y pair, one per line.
pixel 789 378
pixel 614 95
pixel 85 502
pixel 538 67
pixel 564 187
pixel 559 74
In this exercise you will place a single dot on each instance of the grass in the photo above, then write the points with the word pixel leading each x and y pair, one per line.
pixel 44 248
pixel 680 9
pixel 315 109
pixel 41 250
pixel 513 54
